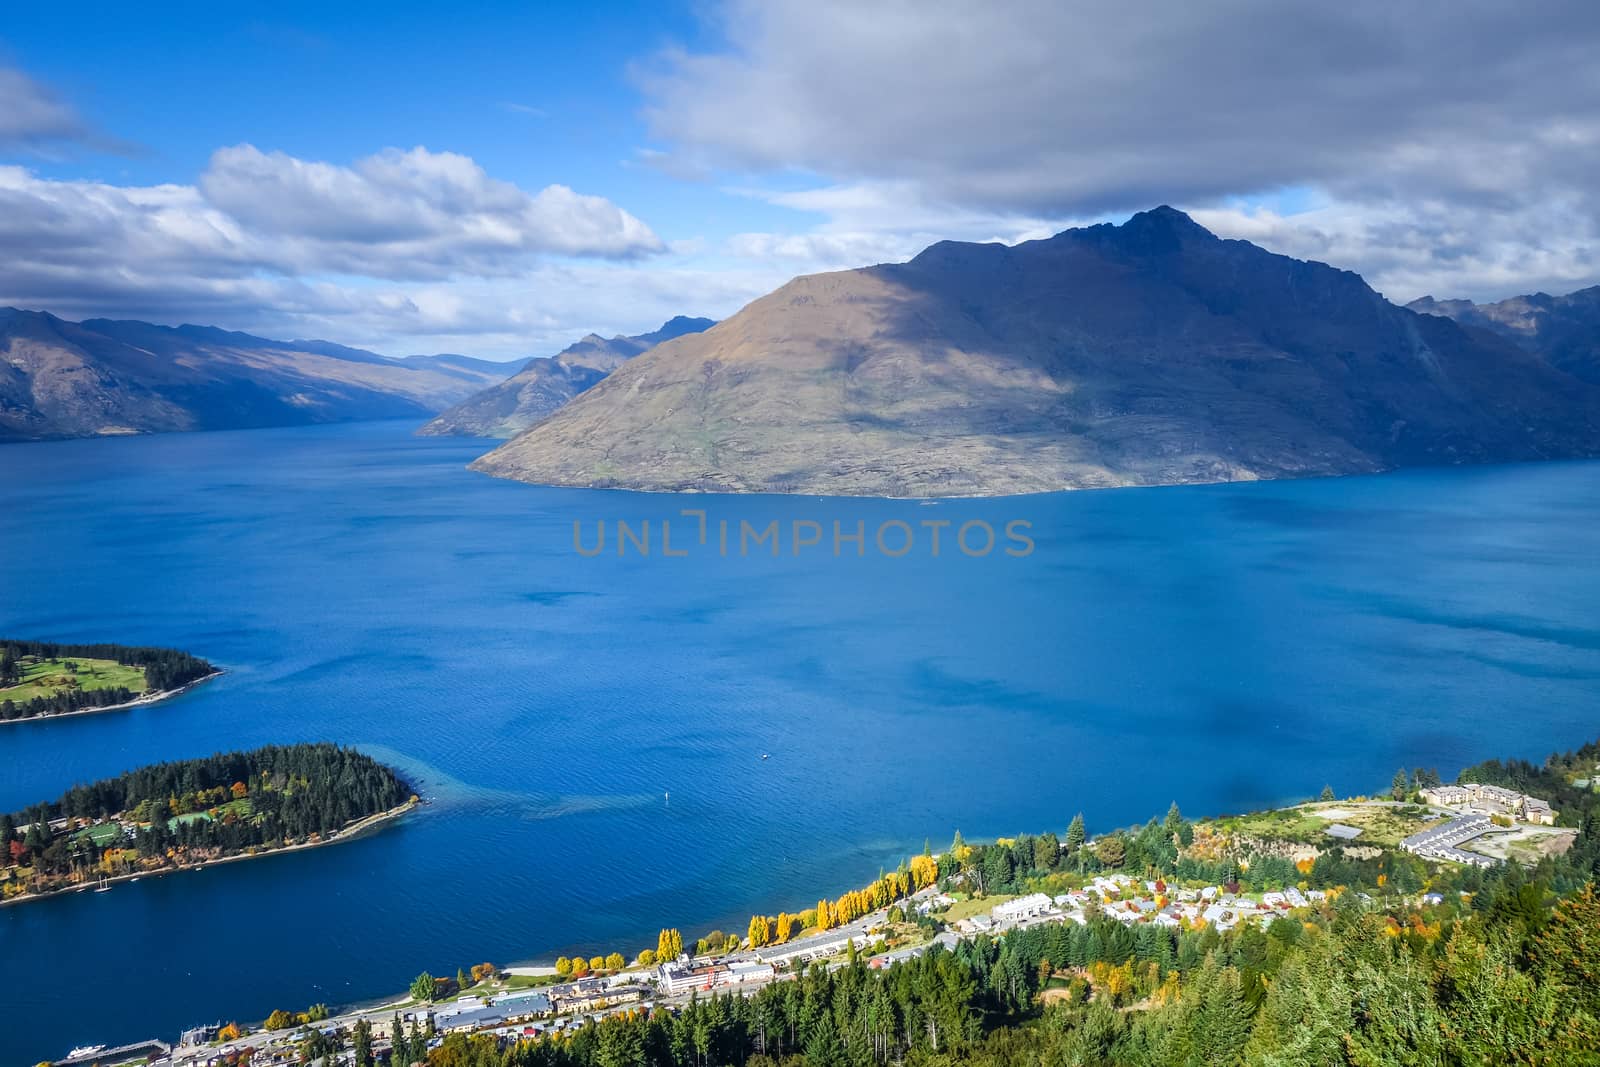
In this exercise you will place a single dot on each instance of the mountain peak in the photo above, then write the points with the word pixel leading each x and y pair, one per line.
pixel 1142 354
pixel 1164 221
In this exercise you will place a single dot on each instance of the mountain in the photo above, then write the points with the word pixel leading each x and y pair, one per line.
pixel 104 376
pixel 1564 330
pixel 544 384
pixel 1142 354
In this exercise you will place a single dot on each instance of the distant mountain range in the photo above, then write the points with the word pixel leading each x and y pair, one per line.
pixel 1564 330
pixel 544 384
pixel 101 376
pixel 1142 354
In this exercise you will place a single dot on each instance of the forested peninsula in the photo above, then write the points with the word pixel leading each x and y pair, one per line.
pixel 169 816
pixel 39 679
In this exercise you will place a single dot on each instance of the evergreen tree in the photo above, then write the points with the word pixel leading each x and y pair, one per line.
pixel 1075 835
pixel 361 1043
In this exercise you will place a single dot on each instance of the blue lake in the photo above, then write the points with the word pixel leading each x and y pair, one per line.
pixel 590 730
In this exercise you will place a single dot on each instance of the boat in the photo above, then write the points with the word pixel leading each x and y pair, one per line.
pixel 85 1050
pixel 765 756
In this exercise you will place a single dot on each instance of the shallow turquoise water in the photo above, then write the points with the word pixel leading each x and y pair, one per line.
pixel 1224 646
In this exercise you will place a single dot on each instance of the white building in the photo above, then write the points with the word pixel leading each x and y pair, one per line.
pixel 1029 907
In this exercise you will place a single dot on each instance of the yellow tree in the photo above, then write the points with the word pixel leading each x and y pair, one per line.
pixel 759 931
pixel 782 933
pixel 615 962
pixel 824 916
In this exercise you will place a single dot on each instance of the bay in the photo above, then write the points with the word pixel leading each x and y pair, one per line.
pixel 589 731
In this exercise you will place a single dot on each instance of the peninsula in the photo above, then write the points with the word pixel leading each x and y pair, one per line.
pixel 171 816
pixel 40 679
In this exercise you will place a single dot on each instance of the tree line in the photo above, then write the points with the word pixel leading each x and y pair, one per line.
pixel 235 801
pixel 165 669
pixel 1508 979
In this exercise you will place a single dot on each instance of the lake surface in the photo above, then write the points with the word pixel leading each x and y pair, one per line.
pixel 590 730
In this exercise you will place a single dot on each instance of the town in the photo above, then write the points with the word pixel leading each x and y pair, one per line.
pixel 534 1002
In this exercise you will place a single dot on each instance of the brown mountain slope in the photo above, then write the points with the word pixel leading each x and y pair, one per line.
pixel 1565 330
pixel 506 408
pixel 72 379
pixel 1141 354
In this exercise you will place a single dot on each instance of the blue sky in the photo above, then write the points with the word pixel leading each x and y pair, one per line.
pixel 501 178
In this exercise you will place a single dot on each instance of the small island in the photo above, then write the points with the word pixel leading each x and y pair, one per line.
pixel 40 679
pixel 172 816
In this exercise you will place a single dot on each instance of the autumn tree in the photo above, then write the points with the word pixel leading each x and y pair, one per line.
pixel 760 931
pixel 615 962
pixel 669 945
pixel 564 966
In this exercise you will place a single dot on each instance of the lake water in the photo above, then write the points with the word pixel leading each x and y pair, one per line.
pixel 1226 647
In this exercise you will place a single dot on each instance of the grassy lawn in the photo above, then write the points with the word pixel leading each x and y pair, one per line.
pixel 1285 824
pixel 1380 825
pixel 966 909
pixel 42 678
pixel 103 834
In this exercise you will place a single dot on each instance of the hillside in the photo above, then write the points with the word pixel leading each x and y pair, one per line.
pixel 1143 354
pixel 508 407
pixel 1564 330
pixel 101 376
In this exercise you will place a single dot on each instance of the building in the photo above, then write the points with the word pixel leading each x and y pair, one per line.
pixel 741 972
pixel 806 949
pixel 1029 907
pixel 1343 832
pixel 1442 842
pixel 685 976
pixel 679 977
pixel 469 1019
pixel 523 1005
pixel 1491 800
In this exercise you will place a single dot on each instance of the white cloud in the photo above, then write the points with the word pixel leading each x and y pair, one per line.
pixel 1457 143
pixel 412 211
pixel 1411 249
pixel 267 240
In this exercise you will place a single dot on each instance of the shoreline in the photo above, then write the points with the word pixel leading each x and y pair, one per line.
pixel 141 699
pixel 359 828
